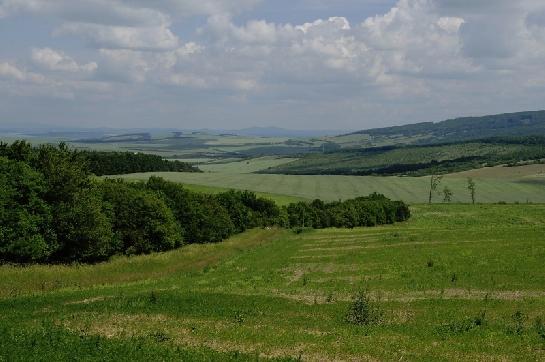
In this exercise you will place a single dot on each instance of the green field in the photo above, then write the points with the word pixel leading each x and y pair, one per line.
pixel 456 282
pixel 246 166
pixel 409 189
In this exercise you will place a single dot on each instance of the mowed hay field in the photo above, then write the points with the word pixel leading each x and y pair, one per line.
pixel 456 282
pixel 526 188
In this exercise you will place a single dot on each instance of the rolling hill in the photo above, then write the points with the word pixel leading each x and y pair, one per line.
pixel 453 130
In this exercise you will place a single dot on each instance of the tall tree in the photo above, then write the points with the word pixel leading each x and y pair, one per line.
pixel 472 187
pixel 435 181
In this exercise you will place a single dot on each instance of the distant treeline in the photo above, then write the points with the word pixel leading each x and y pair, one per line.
pixel 119 163
pixel 52 211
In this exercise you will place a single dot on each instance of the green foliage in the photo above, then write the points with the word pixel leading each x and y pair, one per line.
pixel 363 311
pixel 119 163
pixel 94 220
pixel 26 230
pixel 372 210
pixel 462 326
pixel 142 221
pixel 84 228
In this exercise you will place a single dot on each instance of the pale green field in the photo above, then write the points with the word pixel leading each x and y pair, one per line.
pixel 409 189
pixel 246 166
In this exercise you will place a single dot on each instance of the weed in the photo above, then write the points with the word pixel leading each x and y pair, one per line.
pixel 518 320
pixel 153 297
pixel 363 311
pixel 239 317
pixel 159 336
pixel 539 326
pixel 430 263
pixel 462 326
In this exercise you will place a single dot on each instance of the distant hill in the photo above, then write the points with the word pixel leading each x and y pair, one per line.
pixel 283 132
pixel 419 160
pixel 459 129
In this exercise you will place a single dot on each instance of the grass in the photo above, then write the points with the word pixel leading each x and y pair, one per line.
pixel 246 166
pixel 331 188
pixel 457 282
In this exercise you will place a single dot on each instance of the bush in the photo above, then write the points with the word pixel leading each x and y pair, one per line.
pixel 363 311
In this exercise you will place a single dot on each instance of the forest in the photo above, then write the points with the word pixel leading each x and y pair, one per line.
pixel 103 163
pixel 53 211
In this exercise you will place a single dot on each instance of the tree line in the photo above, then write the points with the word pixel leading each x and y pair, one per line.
pixel 53 211
pixel 119 163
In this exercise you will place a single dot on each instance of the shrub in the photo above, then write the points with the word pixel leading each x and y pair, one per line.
pixel 363 311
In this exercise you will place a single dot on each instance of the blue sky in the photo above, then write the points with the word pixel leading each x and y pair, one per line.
pixel 313 64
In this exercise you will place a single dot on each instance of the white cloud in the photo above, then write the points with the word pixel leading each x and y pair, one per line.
pixel 12 72
pixel 103 36
pixel 59 61
pixel 421 59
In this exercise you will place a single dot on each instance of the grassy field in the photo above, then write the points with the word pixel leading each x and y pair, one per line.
pixel 246 166
pixel 409 189
pixel 457 282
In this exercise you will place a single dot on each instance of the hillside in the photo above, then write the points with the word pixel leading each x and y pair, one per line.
pixel 458 129
pixel 418 160
pixel 457 282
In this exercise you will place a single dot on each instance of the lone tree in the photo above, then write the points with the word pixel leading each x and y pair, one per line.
pixel 435 181
pixel 447 195
pixel 472 189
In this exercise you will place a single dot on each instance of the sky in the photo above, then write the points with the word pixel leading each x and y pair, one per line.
pixel 299 64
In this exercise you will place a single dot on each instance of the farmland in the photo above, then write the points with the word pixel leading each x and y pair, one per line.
pixel 456 282
pixel 528 188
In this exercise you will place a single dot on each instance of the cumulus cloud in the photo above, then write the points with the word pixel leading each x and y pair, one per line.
pixel 13 72
pixel 102 36
pixel 420 59
pixel 59 61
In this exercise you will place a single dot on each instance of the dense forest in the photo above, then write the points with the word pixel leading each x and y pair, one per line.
pixel 118 163
pixel 53 211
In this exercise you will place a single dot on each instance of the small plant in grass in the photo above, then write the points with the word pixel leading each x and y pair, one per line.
pixel 518 320
pixel 239 317
pixel 306 280
pixel 539 326
pixel 363 311
pixel 462 326
pixel 153 297
pixel 454 278
pixel 430 263
pixel 329 298
pixel 159 336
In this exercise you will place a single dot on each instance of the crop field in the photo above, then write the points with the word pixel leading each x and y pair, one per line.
pixel 456 282
pixel 409 189
pixel 246 166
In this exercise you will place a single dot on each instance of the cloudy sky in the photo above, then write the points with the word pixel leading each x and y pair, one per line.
pixel 323 64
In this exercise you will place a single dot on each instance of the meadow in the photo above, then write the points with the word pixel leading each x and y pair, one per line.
pixel 523 187
pixel 456 282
